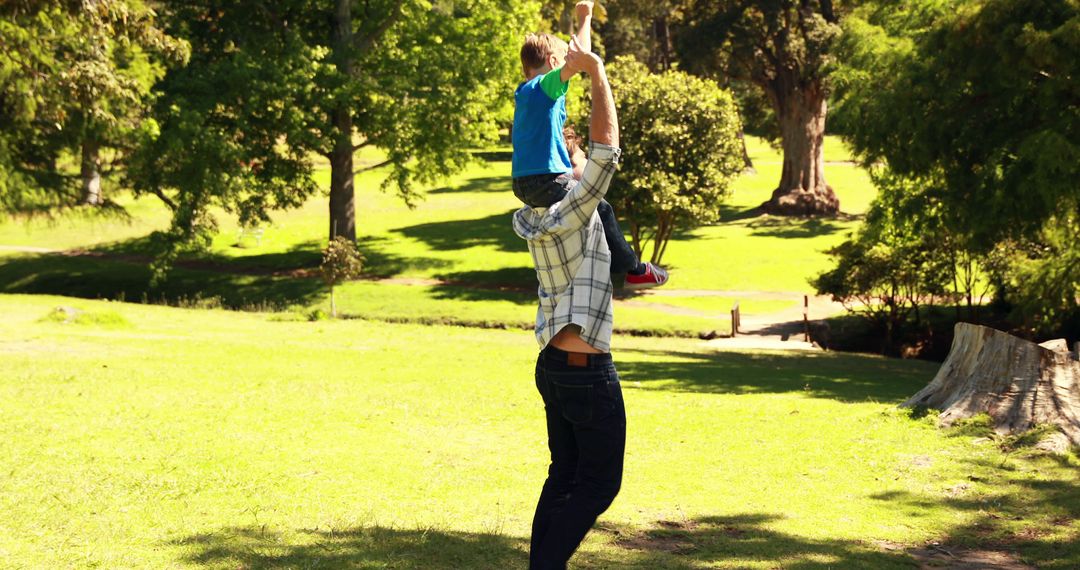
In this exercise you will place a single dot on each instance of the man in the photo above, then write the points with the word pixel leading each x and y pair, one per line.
pixel 575 376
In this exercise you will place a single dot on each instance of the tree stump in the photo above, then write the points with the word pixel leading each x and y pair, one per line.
pixel 1020 384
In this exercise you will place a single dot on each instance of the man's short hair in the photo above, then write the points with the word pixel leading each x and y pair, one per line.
pixel 538 47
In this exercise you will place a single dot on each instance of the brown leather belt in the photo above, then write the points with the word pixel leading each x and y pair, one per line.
pixel 580 359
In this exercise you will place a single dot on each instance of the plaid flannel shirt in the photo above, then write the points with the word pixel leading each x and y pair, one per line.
pixel 573 263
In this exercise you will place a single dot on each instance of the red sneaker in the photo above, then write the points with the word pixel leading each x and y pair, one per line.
pixel 653 277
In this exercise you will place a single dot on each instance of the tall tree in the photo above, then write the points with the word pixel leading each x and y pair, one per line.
pixel 75 86
pixel 976 103
pixel 270 84
pixel 784 47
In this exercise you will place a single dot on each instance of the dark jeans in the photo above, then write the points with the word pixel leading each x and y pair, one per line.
pixel 586 425
pixel 543 190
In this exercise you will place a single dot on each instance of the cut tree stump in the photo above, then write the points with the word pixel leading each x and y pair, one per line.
pixel 1018 383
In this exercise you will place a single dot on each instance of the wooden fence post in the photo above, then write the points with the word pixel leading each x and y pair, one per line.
pixel 735 319
pixel 806 317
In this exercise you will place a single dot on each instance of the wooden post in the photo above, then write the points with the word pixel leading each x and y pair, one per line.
pixel 806 317
pixel 735 320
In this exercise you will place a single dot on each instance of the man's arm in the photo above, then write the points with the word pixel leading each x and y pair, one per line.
pixel 604 123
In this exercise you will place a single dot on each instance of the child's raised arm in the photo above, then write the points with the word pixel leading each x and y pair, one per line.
pixel 583 10
pixel 582 42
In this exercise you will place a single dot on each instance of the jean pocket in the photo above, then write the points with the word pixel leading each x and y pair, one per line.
pixel 575 401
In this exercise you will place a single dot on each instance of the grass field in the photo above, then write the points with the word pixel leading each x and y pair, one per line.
pixel 460 233
pixel 141 436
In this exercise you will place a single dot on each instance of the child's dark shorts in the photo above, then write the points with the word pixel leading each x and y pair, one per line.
pixel 543 190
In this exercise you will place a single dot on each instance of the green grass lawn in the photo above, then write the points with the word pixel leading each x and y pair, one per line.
pixel 460 232
pixel 141 436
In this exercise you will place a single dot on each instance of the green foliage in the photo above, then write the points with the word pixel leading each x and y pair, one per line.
pixel 992 84
pixel 341 261
pixel 900 259
pixel 75 83
pixel 761 42
pixel 681 152
pixel 423 82
pixel 1041 278
pixel 995 149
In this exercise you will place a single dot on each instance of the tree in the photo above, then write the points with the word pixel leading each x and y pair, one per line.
pixel 341 261
pixel 977 101
pixel 681 151
pixel 1018 384
pixel 899 260
pixel 75 84
pixel 785 48
pixel 269 85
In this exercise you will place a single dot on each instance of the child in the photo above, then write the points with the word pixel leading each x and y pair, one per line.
pixel 542 169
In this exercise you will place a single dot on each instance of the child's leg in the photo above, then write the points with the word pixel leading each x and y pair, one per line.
pixel 543 190
pixel 623 258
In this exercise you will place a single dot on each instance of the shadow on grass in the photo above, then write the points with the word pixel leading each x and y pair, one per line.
pixel 519 279
pixel 494 155
pixel 380 263
pixel 494 230
pixel 739 540
pixel 485 184
pixel 665 545
pixel 1032 510
pixel 104 278
pixel 773 226
pixel 842 377
pixel 734 214
pixel 369 547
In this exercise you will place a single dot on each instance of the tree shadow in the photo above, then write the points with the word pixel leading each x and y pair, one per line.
pixel 494 155
pixel 734 214
pixel 491 231
pixel 95 277
pixel 519 279
pixel 774 226
pixel 843 377
pixel 364 547
pixel 380 263
pixel 1032 510
pixel 484 184
pixel 739 538
pixel 665 545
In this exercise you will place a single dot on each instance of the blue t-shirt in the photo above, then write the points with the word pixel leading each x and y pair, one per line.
pixel 539 116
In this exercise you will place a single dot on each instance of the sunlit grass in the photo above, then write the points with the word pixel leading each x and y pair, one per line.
pixel 196 438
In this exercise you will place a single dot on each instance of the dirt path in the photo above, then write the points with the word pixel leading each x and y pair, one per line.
pixel 27 249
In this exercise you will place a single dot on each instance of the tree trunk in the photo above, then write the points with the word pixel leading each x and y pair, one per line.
pixel 662 48
pixel 91 172
pixel 801 109
pixel 748 165
pixel 342 205
pixel 1020 384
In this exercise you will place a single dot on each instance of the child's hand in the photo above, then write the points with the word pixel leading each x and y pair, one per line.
pixel 583 9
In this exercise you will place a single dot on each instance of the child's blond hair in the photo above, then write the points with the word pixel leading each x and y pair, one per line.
pixel 538 48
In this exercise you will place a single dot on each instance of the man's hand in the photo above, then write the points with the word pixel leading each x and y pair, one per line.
pixel 583 10
pixel 588 62
pixel 573 62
